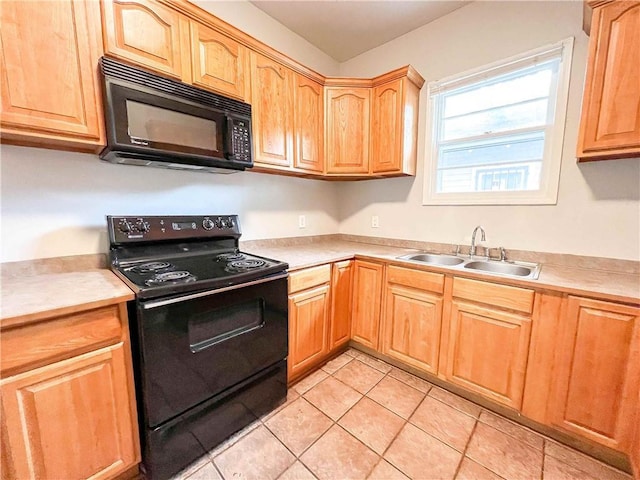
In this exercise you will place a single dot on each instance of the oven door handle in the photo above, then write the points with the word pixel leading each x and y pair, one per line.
pixel 161 303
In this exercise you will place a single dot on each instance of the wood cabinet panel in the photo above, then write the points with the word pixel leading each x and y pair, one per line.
pixel 309 126
pixel 149 34
pixel 308 329
pixel 347 130
pixel 597 371
pixel 217 61
pixel 367 303
pixel 487 352
pixel 341 283
pixel 503 296
pixel 40 343
pixel 386 127
pixel 412 326
pixel 49 84
pixel 71 419
pixel 272 111
pixel 432 282
pixel 309 277
pixel 610 122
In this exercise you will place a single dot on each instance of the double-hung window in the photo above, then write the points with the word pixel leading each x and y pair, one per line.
pixel 496 133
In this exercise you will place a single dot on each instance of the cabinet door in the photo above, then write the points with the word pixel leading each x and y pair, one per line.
pixel 347 132
pixel 386 127
pixel 487 351
pixel 309 127
pixel 308 329
pixel 597 371
pixel 71 419
pixel 217 61
pixel 412 327
pixel 610 123
pixel 367 300
pixel 149 34
pixel 272 111
pixel 48 57
pixel 341 282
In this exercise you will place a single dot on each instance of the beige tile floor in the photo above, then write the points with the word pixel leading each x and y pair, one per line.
pixel 360 418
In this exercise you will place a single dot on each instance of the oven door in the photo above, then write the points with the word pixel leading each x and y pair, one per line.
pixel 196 346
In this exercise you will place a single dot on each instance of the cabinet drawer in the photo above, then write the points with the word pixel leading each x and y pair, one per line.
pixel 41 343
pixel 432 282
pixel 513 298
pixel 309 277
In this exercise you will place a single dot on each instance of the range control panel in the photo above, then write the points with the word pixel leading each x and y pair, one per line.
pixel 158 228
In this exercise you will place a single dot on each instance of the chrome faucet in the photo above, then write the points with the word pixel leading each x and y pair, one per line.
pixel 472 251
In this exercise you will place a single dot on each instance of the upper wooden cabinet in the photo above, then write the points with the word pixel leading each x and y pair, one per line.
pixel 217 61
pixel 347 130
pixel 367 303
pixel 272 112
pixel 610 122
pixel 309 126
pixel 394 127
pixel 149 34
pixel 597 372
pixel 48 59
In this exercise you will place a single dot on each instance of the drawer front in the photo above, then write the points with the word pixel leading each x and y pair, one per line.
pixel 309 277
pixel 503 296
pixel 42 343
pixel 431 282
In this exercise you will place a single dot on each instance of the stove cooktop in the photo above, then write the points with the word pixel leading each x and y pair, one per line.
pixel 165 255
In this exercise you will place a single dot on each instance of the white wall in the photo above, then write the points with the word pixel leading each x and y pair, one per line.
pixel 598 209
pixel 54 203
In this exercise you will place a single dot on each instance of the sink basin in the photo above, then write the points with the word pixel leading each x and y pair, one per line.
pixel 434 259
pixel 501 268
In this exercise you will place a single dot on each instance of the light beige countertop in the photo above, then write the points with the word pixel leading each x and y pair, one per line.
pixel 573 279
pixel 37 297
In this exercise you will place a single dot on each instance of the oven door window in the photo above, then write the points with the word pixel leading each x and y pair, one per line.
pixel 194 349
pixel 210 328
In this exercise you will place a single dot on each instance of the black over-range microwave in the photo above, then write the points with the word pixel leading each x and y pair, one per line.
pixel 155 121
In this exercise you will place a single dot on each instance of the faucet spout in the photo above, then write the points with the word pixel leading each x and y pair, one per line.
pixel 472 251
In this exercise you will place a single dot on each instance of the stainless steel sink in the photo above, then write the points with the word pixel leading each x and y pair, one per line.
pixel 491 267
pixel 500 268
pixel 433 259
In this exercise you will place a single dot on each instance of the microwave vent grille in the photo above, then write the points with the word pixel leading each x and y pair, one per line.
pixel 113 69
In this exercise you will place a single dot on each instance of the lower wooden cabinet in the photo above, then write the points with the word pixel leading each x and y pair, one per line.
pixel 367 299
pixel 75 416
pixel 488 341
pixel 71 419
pixel 413 317
pixel 341 283
pixel 596 369
pixel 309 309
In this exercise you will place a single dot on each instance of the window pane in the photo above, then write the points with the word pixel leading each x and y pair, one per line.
pixel 510 117
pixel 511 162
pixel 524 84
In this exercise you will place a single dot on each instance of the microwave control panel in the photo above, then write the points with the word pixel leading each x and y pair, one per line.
pixel 240 140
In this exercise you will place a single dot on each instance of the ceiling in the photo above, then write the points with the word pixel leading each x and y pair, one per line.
pixel 344 29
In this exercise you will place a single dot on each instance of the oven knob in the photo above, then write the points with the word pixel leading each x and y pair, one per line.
pixel 124 226
pixel 223 223
pixel 207 224
pixel 142 225
pixel 230 222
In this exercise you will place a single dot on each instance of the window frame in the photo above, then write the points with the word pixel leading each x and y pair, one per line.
pixel 553 145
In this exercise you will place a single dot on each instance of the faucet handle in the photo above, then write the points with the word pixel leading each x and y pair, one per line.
pixel 503 254
pixel 456 250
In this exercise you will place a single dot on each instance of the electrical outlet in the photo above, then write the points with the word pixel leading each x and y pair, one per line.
pixel 375 221
pixel 302 221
